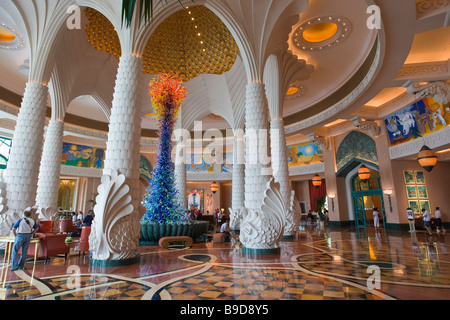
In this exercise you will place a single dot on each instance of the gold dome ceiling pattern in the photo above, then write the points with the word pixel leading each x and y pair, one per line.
pixel 190 42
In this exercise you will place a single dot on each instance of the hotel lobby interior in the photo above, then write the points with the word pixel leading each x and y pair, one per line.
pixel 294 121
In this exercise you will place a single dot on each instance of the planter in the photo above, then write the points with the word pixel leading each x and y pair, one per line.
pixel 152 232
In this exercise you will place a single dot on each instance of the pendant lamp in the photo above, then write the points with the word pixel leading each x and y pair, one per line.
pixel 364 173
pixel 316 181
pixel 427 158
pixel 214 187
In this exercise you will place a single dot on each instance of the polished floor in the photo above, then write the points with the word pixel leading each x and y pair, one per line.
pixel 323 263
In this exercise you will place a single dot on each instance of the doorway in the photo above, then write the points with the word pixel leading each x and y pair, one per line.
pixel 367 195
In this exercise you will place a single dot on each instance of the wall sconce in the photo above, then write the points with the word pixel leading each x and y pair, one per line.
pixel 332 196
pixel 389 192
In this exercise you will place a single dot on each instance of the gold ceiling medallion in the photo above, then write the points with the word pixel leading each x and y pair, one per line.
pixel 321 33
pixel 190 42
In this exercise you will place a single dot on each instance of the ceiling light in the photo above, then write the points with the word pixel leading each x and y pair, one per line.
pixel 427 158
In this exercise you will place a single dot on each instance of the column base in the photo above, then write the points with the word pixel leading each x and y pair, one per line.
pixel 260 251
pixel 114 263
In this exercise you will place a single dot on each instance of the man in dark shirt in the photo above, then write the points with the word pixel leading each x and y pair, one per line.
pixel 87 221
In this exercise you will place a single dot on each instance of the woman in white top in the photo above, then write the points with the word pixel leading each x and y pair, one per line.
pixel 438 216
pixel 427 220
pixel 376 218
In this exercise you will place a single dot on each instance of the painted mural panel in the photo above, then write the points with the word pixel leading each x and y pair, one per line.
pixel 417 120
pixel 82 156
pixel 304 154
pixel 227 165
pixel 201 163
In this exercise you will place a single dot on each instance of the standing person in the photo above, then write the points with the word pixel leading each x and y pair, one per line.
pixel 87 221
pixel 438 216
pixel 218 217
pixel 376 218
pixel 23 229
pixel 426 220
pixel 410 214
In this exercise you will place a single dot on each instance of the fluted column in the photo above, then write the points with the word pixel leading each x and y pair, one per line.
pixel 279 158
pixel 180 174
pixel 238 190
pixel 257 170
pixel 116 228
pixel 22 172
pixel 48 184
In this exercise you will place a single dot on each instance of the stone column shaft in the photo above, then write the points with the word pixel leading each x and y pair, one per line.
pixel 116 227
pixel 48 184
pixel 21 175
pixel 257 128
pixel 279 158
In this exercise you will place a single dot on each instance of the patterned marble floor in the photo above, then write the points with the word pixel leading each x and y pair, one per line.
pixel 321 264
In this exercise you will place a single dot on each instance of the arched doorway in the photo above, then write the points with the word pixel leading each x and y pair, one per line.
pixel 366 196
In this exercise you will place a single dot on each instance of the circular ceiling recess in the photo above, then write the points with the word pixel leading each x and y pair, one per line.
pixel 321 33
pixel 9 38
pixel 6 36
pixel 295 91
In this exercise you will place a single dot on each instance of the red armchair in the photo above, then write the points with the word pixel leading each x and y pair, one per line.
pixel 66 226
pixel 84 239
pixel 51 244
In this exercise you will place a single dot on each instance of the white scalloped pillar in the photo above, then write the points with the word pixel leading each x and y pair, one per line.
pixel 123 153
pixel 48 183
pixel 238 185
pixel 238 199
pixel 180 174
pixel 257 167
pixel 279 158
pixel 22 172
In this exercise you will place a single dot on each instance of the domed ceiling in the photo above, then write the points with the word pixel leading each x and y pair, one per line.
pixel 190 42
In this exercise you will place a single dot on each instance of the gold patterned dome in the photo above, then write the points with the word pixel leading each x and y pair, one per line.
pixel 190 42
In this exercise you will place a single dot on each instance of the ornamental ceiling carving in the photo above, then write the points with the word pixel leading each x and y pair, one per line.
pixel 191 42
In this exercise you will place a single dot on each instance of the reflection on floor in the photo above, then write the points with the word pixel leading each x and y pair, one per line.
pixel 321 264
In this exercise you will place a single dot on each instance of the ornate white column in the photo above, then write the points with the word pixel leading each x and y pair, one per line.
pixel 22 171
pixel 116 228
pixel 48 184
pixel 281 175
pixel 265 211
pixel 238 191
pixel 180 173
pixel 23 165
pixel 257 173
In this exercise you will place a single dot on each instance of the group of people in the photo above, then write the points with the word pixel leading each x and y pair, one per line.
pixel 426 215
pixel 79 221
pixel 24 230
pixel 195 214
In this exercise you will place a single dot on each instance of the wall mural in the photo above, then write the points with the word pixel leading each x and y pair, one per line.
pixel 82 156
pixel 358 146
pixel 417 120
pixel 304 154
pixel 195 199
pixel 200 163
pixel 227 165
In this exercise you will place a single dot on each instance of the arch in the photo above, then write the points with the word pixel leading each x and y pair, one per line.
pixel 355 149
